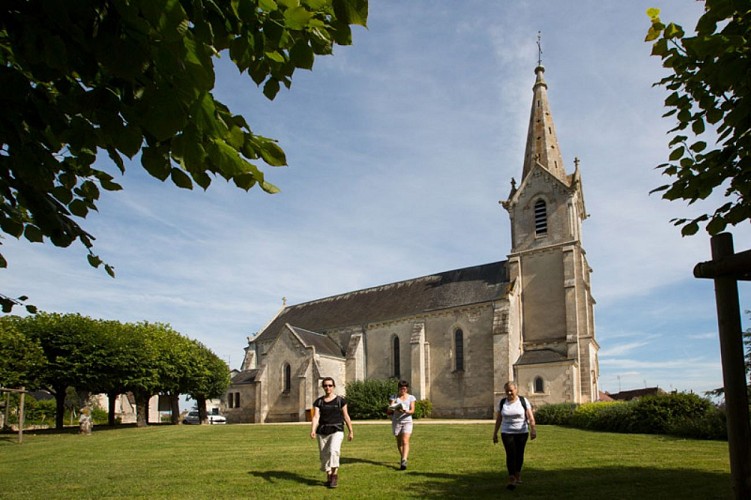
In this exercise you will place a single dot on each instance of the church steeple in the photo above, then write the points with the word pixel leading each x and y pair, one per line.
pixel 542 141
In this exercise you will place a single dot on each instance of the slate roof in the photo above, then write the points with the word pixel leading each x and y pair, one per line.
pixel 245 377
pixel 459 287
pixel 539 356
pixel 322 343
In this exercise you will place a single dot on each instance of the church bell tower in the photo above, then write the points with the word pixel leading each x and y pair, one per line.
pixel 548 269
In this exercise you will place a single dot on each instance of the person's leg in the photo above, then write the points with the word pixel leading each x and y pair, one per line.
pixel 404 448
pixel 336 447
pixel 323 453
pixel 520 445
pixel 509 446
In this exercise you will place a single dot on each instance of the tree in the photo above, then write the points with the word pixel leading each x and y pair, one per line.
pixel 70 351
pixel 210 379
pixel 135 77
pixel 710 87
pixel 21 359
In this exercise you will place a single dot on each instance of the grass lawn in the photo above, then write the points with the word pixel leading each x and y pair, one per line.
pixel 281 461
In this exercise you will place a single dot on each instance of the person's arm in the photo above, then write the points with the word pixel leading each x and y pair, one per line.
pixel 314 422
pixel 347 421
pixel 498 420
pixel 531 423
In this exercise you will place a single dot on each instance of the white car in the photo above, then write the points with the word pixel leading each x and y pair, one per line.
pixel 192 418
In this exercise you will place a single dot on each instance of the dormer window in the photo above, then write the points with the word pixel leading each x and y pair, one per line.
pixel 541 218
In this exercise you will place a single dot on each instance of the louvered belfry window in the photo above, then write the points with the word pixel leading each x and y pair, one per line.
pixel 541 218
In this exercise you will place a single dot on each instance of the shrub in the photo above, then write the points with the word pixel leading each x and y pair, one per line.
pixel 423 408
pixel 555 414
pixel 368 399
pixel 656 414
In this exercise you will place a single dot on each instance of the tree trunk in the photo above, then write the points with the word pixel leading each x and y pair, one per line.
pixel 174 401
pixel 59 392
pixel 142 409
pixel 111 397
pixel 201 403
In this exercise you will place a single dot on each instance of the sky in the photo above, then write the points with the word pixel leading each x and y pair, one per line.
pixel 399 149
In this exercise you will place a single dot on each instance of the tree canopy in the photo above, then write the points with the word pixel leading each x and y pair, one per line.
pixel 135 78
pixel 710 96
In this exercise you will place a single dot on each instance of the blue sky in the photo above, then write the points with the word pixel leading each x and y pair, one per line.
pixel 400 148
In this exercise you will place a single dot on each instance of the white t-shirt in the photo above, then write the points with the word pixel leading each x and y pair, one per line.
pixel 514 417
pixel 400 416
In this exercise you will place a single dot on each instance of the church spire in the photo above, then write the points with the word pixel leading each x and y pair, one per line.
pixel 542 141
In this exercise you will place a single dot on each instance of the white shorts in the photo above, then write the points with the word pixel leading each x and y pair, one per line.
pixel 401 427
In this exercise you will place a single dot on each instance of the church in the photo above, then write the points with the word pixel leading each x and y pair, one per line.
pixel 457 336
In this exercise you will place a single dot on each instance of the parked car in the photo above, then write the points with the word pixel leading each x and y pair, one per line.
pixel 214 418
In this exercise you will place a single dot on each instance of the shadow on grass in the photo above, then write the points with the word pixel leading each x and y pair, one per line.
pixel 281 476
pixel 355 460
pixel 605 482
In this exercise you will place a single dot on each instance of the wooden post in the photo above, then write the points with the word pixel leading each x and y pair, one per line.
pixel 733 370
pixel 20 414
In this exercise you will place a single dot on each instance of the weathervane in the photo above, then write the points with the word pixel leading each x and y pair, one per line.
pixel 539 49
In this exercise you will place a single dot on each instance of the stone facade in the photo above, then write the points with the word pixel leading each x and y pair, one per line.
pixel 459 335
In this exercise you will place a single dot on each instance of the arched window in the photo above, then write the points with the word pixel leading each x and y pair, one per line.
pixel 459 350
pixel 541 218
pixel 539 385
pixel 395 352
pixel 237 400
pixel 287 384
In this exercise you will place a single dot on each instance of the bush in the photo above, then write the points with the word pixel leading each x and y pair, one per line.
pixel 368 399
pixel 656 414
pixel 711 425
pixel 555 414
pixel 423 408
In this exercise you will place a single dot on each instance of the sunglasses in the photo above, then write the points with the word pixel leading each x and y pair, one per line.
pixel 328 385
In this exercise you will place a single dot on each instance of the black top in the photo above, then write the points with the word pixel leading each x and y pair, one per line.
pixel 331 411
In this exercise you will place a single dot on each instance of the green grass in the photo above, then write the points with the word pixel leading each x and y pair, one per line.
pixel 281 461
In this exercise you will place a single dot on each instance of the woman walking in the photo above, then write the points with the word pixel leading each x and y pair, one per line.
pixel 401 408
pixel 517 423
pixel 329 416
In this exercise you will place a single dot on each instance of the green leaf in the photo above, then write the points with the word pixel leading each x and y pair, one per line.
pixel 78 208
pixel 181 179
pixel 94 261
pixel 698 126
pixel 270 89
pixel 690 229
pixel 302 55
pixel 33 234
pixel 352 11
pixel 156 163
pixel 271 152
pixel 677 153
pixel 653 13
pixel 297 18
pixel 698 146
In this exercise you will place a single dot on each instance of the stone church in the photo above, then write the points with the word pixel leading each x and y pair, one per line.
pixel 457 336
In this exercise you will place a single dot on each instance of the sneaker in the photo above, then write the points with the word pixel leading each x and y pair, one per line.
pixel 334 480
pixel 403 465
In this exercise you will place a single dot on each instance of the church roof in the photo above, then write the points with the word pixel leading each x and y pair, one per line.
pixel 323 344
pixel 245 377
pixel 539 356
pixel 460 287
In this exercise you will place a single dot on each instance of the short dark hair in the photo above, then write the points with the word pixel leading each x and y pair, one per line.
pixel 328 378
pixel 403 383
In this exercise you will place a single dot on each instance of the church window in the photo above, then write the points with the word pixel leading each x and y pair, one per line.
pixel 459 350
pixel 287 384
pixel 539 385
pixel 395 352
pixel 237 400
pixel 541 218
pixel 231 399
